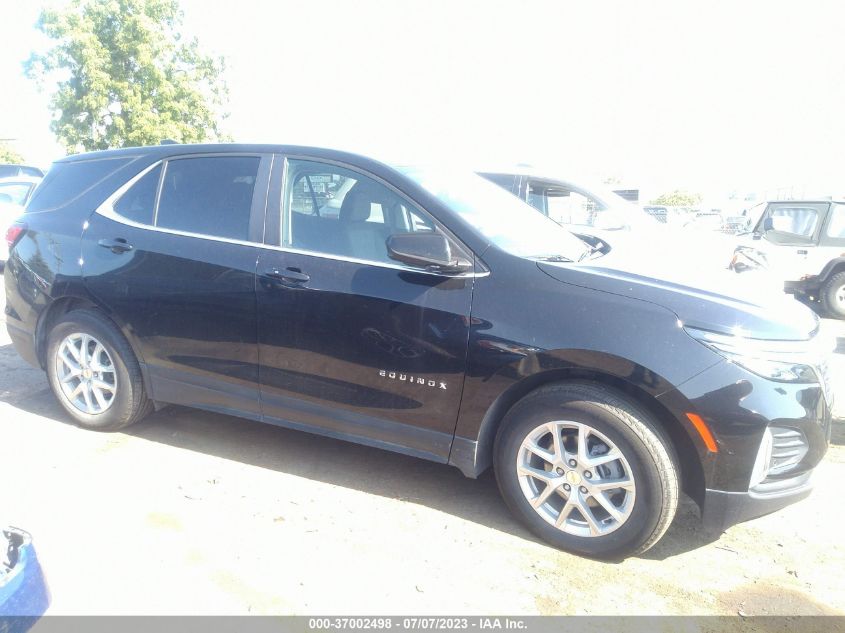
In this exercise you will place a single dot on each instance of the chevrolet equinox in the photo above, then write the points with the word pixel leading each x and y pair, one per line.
pixel 421 310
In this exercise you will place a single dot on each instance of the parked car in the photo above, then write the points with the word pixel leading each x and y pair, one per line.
pixel 14 194
pixel 9 213
pixel 23 589
pixel 704 221
pixel 8 170
pixel 659 213
pixel 436 316
pixel 597 214
pixel 801 243
pixel 574 203
pixel 18 189
pixel 735 224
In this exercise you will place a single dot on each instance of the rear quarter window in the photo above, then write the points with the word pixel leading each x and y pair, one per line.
pixel 835 232
pixel 65 182
pixel 138 203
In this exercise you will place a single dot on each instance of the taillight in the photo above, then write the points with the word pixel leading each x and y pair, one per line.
pixel 14 233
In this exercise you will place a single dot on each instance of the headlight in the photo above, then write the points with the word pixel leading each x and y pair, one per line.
pixel 748 258
pixel 783 361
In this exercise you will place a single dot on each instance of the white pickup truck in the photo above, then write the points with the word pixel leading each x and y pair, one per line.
pixel 802 243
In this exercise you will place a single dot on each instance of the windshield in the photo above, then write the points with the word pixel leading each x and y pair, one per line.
pixel 502 218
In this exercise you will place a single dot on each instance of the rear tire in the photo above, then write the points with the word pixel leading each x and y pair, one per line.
pixel 833 296
pixel 627 460
pixel 94 373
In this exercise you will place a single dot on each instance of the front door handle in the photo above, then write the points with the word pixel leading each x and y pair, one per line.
pixel 116 245
pixel 288 275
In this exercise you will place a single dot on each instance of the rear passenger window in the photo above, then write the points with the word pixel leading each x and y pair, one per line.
pixel 210 195
pixel 138 203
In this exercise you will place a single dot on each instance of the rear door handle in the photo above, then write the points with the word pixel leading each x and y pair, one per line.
pixel 288 275
pixel 116 245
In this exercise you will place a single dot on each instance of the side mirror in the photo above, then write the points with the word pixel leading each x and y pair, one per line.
pixel 426 250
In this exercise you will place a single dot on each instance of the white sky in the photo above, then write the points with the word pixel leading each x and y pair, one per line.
pixel 712 95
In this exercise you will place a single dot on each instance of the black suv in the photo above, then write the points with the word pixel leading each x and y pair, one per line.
pixel 432 314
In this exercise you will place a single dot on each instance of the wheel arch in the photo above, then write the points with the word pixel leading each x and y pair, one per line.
pixel 66 304
pixel 692 472
pixel 833 267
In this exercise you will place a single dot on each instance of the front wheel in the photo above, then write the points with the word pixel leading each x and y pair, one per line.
pixel 833 296
pixel 587 471
pixel 94 374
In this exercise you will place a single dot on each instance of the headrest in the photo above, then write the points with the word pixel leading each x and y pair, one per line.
pixel 356 205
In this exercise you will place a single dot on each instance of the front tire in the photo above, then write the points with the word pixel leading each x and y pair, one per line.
pixel 94 373
pixel 833 296
pixel 587 470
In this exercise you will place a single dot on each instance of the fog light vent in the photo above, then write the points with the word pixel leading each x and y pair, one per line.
pixel 789 446
pixel 764 459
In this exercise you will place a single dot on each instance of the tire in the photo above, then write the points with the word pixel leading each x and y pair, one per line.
pixel 833 296
pixel 111 365
pixel 642 512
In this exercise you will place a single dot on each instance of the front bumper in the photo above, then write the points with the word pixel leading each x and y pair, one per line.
pixel 721 509
pixel 738 407
pixel 810 285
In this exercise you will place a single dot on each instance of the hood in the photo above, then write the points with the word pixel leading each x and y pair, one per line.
pixel 700 293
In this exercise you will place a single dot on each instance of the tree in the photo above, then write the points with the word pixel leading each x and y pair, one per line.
pixel 678 198
pixel 8 155
pixel 126 76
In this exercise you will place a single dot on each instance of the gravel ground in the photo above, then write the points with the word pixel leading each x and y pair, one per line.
pixel 197 513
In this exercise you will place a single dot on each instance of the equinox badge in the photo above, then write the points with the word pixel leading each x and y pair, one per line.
pixel 416 380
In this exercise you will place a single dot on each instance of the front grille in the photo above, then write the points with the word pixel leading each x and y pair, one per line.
pixel 789 446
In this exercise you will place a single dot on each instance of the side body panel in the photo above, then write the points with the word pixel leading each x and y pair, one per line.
pixel 548 330
pixel 362 350
pixel 188 305
pixel 45 264
pixel 186 302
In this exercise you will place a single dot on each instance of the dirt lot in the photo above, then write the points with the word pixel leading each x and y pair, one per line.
pixel 197 513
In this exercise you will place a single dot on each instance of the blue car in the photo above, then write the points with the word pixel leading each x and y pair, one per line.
pixel 23 591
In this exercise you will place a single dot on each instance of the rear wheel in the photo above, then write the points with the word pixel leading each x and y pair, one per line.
pixel 587 471
pixel 833 296
pixel 94 373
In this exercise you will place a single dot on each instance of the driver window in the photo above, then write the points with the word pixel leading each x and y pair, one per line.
pixel 794 220
pixel 336 211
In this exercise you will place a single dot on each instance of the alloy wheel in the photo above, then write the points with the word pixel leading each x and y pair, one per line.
pixel 576 478
pixel 86 373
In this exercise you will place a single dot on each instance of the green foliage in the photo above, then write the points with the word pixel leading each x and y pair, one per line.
pixel 8 155
pixel 678 198
pixel 126 76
